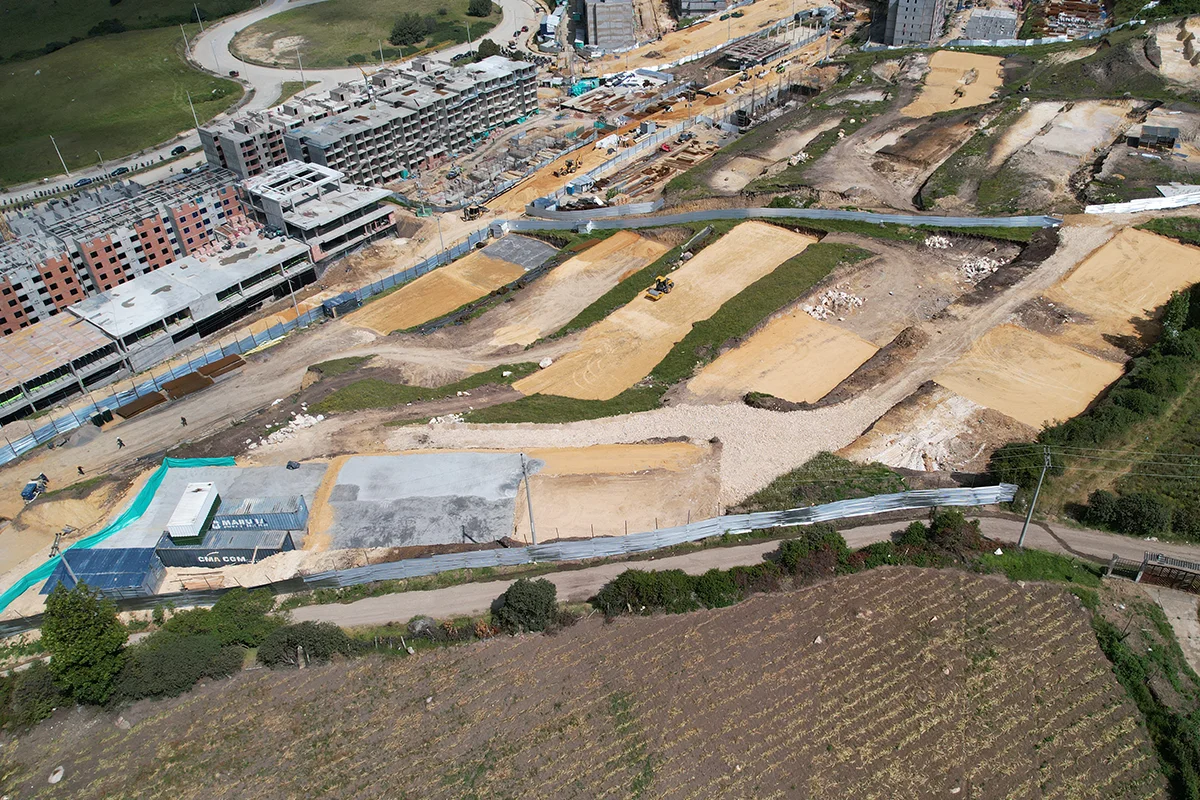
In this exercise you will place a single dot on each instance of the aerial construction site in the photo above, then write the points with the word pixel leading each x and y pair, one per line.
pixel 747 267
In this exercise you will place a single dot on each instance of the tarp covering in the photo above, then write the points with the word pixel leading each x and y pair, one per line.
pixel 135 510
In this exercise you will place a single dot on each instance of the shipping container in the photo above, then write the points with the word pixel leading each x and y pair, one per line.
pixel 194 511
pixel 262 514
pixel 113 571
pixel 225 548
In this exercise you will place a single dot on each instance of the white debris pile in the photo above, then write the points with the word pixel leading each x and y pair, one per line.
pixel 977 268
pixel 833 302
pixel 298 422
pixel 936 242
pixel 799 158
pixel 446 419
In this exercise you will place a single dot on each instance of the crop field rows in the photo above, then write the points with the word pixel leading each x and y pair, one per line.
pixel 896 682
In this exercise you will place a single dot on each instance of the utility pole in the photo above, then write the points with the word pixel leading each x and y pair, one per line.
pixel 216 61
pixel 198 17
pixel 528 499
pixel 381 61
pixel 187 46
pixel 301 63
pixel 61 160
pixel 195 119
pixel 468 24
pixel 1036 492
pixel 103 169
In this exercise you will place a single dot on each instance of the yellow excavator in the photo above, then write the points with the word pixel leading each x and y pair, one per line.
pixel 662 285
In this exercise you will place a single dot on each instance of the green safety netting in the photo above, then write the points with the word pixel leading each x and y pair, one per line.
pixel 135 510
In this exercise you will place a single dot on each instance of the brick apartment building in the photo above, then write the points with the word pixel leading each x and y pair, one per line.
pixel 65 251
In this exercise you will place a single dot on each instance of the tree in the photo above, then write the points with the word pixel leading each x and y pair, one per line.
pixel 527 605
pixel 85 640
pixel 487 48
pixel 409 29
pixel 479 8
pixel 169 664
pixel 319 640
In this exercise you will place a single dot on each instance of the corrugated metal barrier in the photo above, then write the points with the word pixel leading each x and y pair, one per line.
pixel 577 551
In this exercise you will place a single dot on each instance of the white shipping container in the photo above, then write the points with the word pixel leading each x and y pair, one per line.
pixel 197 505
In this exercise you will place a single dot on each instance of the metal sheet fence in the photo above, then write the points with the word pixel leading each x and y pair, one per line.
pixel 575 551
pixel 664 537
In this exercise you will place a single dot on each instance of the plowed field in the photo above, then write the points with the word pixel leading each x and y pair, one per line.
pixel 895 683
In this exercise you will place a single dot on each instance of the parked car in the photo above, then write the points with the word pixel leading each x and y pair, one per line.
pixel 524 29
pixel 119 171
pixel 178 151
pixel 233 73
pixel 83 182
pixel 666 148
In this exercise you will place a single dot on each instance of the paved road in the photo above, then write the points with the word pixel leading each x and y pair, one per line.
pixel 210 51
pixel 578 585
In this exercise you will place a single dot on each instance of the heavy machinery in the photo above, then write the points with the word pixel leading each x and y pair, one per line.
pixel 662 285
pixel 568 168
pixel 35 487
pixel 471 213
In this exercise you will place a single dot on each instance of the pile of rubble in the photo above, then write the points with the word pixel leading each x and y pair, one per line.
pixel 937 242
pixel 833 302
pixel 446 419
pixel 298 422
pixel 977 268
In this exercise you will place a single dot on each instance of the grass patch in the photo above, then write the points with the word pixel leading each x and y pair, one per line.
pixel 27 26
pixel 339 366
pixel 750 307
pixel 338 32
pixel 375 393
pixel 824 478
pixel 290 88
pixel 1184 229
pixel 1036 565
pixel 964 170
pixel 550 408
pixel 116 94
pixel 77 488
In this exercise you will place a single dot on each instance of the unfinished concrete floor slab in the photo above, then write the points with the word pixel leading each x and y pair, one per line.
pixel 233 484
pixel 424 499
pixel 619 351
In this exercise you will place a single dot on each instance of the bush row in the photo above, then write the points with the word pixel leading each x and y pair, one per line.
pixel 1152 381
pixel 819 552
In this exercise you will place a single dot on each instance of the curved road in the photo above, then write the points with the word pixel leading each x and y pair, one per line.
pixel 580 584
pixel 210 51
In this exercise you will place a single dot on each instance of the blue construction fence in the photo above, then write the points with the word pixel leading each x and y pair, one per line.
pixel 78 416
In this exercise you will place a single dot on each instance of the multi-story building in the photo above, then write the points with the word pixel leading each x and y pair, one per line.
pixel 313 204
pixel 383 128
pixel 901 22
pixel 608 24
pixel 65 251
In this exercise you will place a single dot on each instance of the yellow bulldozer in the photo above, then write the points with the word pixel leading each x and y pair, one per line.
pixel 662 285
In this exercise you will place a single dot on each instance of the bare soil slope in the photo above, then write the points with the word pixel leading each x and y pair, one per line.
pixel 891 683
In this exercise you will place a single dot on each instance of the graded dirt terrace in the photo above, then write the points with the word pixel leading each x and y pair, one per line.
pixel 1030 377
pixel 620 350
pixel 587 275
pixel 894 683
pixel 437 293
pixel 794 357
pixel 1121 285
pixel 975 76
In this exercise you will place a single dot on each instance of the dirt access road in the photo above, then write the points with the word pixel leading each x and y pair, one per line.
pixel 580 584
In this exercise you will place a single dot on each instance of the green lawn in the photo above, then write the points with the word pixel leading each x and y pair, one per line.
pixel 116 94
pixel 375 393
pixel 30 25
pixel 338 32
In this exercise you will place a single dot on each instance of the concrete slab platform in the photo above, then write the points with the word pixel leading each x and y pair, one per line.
pixel 233 484
pixel 521 250
pixel 425 499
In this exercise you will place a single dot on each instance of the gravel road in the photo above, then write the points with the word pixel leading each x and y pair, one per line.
pixel 579 585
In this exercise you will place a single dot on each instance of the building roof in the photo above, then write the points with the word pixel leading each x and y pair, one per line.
pixel 103 569
pixel 1160 131
pixel 45 346
pixel 176 287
